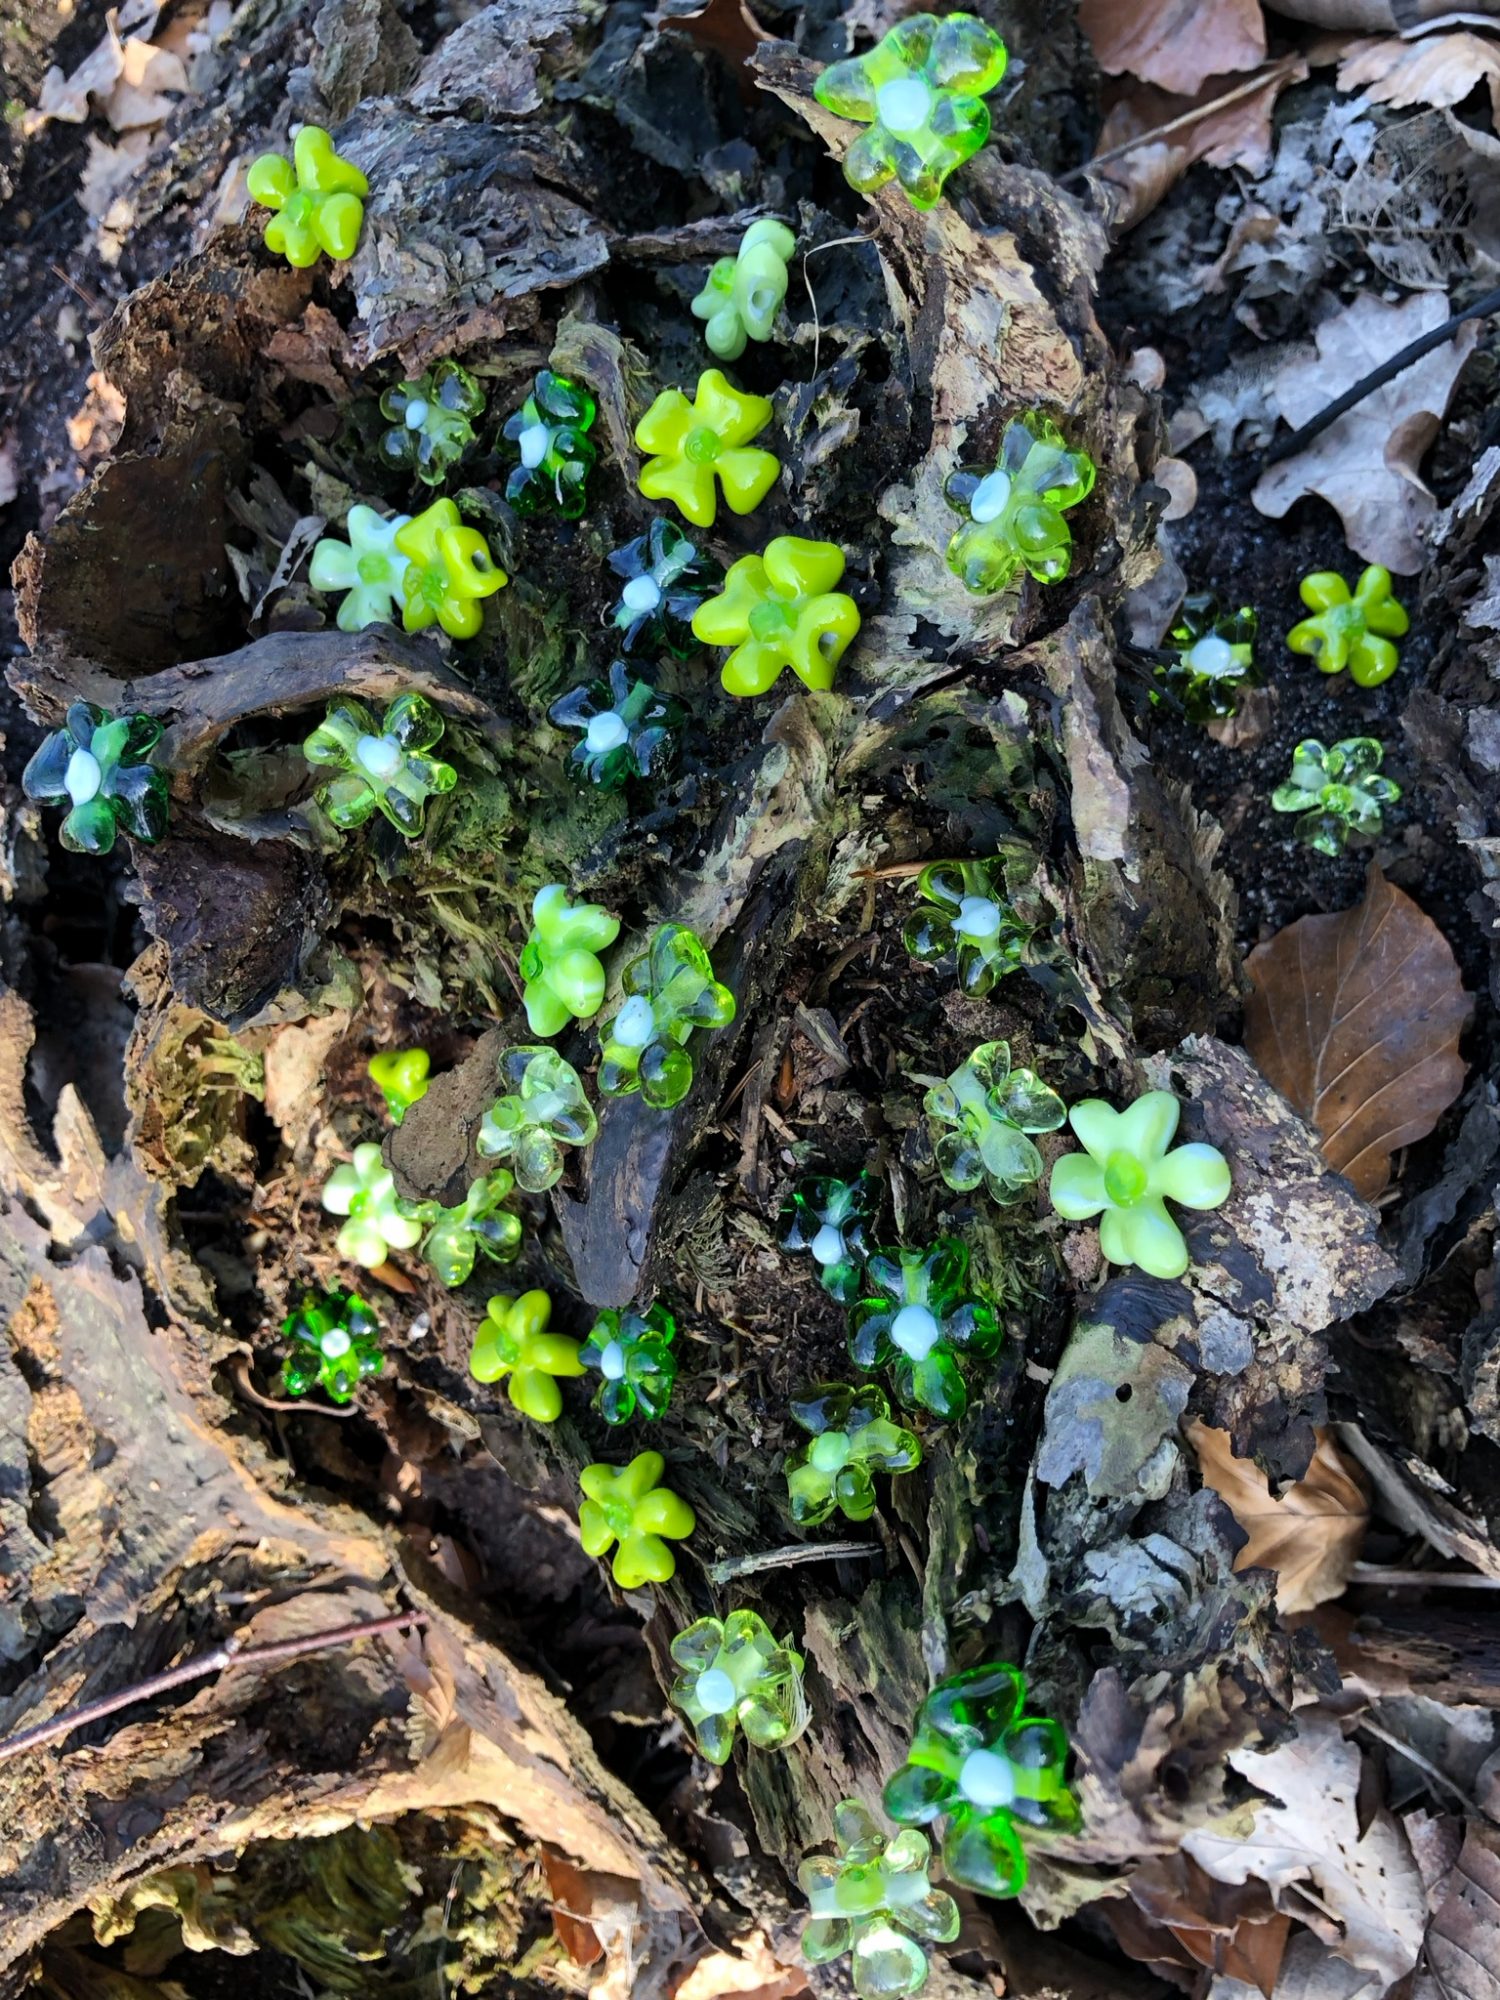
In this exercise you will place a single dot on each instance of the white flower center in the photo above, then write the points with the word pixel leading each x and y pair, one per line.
pixel 83 777
pixel 612 1362
pixel 977 917
pixel 828 1245
pixel 915 1332
pixel 606 732
pixel 379 756
pixel 335 1344
pixel 416 413
pixel 987 1780
pixel 716 1691
pixel 990 496
pixel 903 105
pixel 642 593
pixel 534 441
pixel 635 1023
pixel 1212 656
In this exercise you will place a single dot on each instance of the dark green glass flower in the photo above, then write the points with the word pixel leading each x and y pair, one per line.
pixel 829 1217
pixel 962 912
pixel 96 763
pixel 432 422
pixel 1215 659
pixel 335 1340
pixel 852 1438
pixel 633 1354
pixel 627 727
pixel 555 452
pixel 666 577
pixel 918 1318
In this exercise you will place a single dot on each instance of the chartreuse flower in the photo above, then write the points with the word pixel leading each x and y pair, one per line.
pixel 734 1675
pixel 625 1504
pixel 449 568
pixel 1126 1171
pixel 378 1220
pixel 97 764
pixel 979 1120
pixel 432 421
pixel 633 1354
pixel 852 1438
pixel 400 1075
pixel 560 965
pixel 1215 659
pixel 551 434
pixel 335 1340
pixel 542 1110
pixel 780 609
pixel 1353 632
pixel 318 197
pixel 744 293
pixel 985 1768
pixel 368 568
pixel 666 578
pixel 829 1217
pixel 513 1346
pixel 480 1226
pixel 670 990
pixel 383 764
pixel 919 90
pixel 961 911
pixel 1338 791
pixel 1016 510
pixel 625 724
pixel 917 1318
pixel 874 1900
pixel 696 443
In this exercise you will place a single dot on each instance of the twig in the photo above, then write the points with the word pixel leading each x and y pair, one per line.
pixel 1422 1763
pixel 239 1374
pixel 1421 1579
pixel 1184 119
pixel 837 243
pixel 737 1566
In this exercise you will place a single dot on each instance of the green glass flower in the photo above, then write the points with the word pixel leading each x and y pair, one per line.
pixel 335 1340
pixel 1337 791
pixel 627 1505
pixel 852 1438
pixel 513 1346
pixel 432 422
pixel 555 452
pixel 627 727
pixel 693 444
pixel 829 1217
pixel 918 1318
pixel 734 1675
pixel 920 90
pixel 449 571
pixel 1126 1171
pixel 874 1899
pixel 666 579
pixel 318 197
pixel 400 1075
pixel 1215 660
pixel 368 568
pixel 633 1354
pixel 979 1120
pixel 743 294
pixel 1351 631
pixel 378 1220
pixel 480 1226
pixel 962 913
pixel 382 765
pixel 560 965
pixel 543 1109
pixel 1016 510
pixel 97 764
pixel 984 1767
pixel 670 990
pixel 780 609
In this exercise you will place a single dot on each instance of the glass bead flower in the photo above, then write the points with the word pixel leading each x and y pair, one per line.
pixel 1351 631
pixel 97 765
pixel 983 1766
pixel 979 1120
pixel 696 443
pixel 335 1340
pixel 780 609
pixel 829 1217
pixel 400 1075
pixel 666 579
pixel 962 913
pixel 918 1318
pixel 1215 659
pixel 382 765
pixel 633 1354
pixel 920 90
pixel 481 1225
pixel 542 1110
pixel 513 1346
pixel 627 1505
pixel 874 1900
pixel 560 965
pixel 743 293
pixel 368 569
pixel 318 197
pixel 669 991
pixel 1015 511
pixel 733 1674
pixel 1338 791
pixel 851 1438
pixel 431 422
pixel 627 727
pixel 449 569
pixel 554 450
pixel 378 1221
pixel 1126 1171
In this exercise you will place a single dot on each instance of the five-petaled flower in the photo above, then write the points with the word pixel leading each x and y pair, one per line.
pixel 378 1220
pixel 829 1217
pixel 979 1120
pixel 627 1505
pixel 670 990
pixel 1215 658
pixel 1126 1171
pixel 481 1225
pixel 513 1346
pixel 542 1110
pixel 1338 790
pixel 1351 631
pixel 961 911
pixel 917 1317
pixel 555 452
pixel 318 197
pixel 633 1354
pixel 97 764
pixel 1015 510
pixel 743 294
pixel 732 1675
pixel 627 726
pixel 335 1340
pixel 368 568
pixel 382 765
pixel 874 1899
pixel 851 1438
pixel 666 578
pixel 449 568
pixel 560 964
pixel 780 609
pixel 431 421
pixel 696 443
pixel 400 1075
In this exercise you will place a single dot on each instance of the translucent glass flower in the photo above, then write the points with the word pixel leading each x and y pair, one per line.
pixel 1351 631
pixel 368 568
pixel 961 912
pixel 378 1220
pixel 829 1217
pixel 918 1318
pixel 979 1120
pixel 449 569
pixel 627 727
pixel 874 1900
pixel 556 454
pixel 335 1340
pixel 852 1438
pixel 670 990
pixel 318 197
pixel 432 422
pixel 1126 1171
pixel 1016 510
pixel 513 1346
pixel 1338 791
pixel 696 443
pixel 983 1766
pixel 734 1675
pixel 400 1075
pixel 744 293
pixel 382 765
pixel 780 609
pixel 480 1226
pixel 626 1505
pixel 96 765
pixel 1215 659
pixel 543 1110
pixel 633 1354
pixel 666 579
pixel 919 90
pixel 560 965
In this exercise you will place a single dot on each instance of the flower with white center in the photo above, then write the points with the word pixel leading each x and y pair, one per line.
pixel 917 1316
pixel 875 1901
pixel 543 1110
pixel 367 568
pixel 97 766
pixel 633 1354
pixel 734 1676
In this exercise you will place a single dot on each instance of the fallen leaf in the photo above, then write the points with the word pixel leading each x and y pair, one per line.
pixel 1177 1915
pixel 67 97
pixel 1355 1019
pixel 1440 70
pixel 1311 1536
pixel 1463 1940
pixel 1178 44
pixel 150 80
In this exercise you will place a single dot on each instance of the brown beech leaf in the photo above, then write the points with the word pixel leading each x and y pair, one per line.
pixel 1440 70
pixel 1311 1536
pixel 1178 44
pixel 1355 1018
pixel 1463 1940
pixel 1177 1915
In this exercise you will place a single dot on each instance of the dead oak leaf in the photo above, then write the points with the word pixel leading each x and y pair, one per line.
pixel 1440 70
pixel 1311 1536
pixel 1463 1941
pixel 1177 44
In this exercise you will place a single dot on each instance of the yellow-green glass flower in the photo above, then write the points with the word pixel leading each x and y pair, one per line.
pixel 626 1505
pixel 400 1075
pixel 1126 1171
pixel 481 1225
pixel 1351 630
pixel 513 1346
pixel 449 569
pixel 875 1901
pixel 778 610
pixel 744 292
pixel 380 765
pixel 706 440
pixel 560 965
pixel 318 197
pixel 669 990
pixel 733 1674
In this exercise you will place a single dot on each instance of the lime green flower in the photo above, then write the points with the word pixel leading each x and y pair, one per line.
pixel 564 979
pixel 513 1346
pixel 1016 510
pixel 780 609
pixel 449 568
pixel 378 1220
pixel 625 1504
pixel 696 443
pixel 1351 631
pixel 318 196
pixel 734 1675
pixel 744 293
pixel 874 1900
pixel 400 1075
pixel 1337 791
pixel 670 990
pixel 852 1438
pixel 480 1226
pixel 1126 1171
pixel 335 1340
pixel 383 765
pixel 98 764
pixel 542 1110
pixel 979 1120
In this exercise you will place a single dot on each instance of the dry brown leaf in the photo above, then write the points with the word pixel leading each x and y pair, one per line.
pixel 1463 1940
pixel 1237 134
pixel 1440 71
pixel 1311 1536
pixel 1355 1018
pixel 1177 44
pixel 1177 1915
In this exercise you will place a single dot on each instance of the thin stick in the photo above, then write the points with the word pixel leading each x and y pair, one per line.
pixel 1184 119
pixel 1421 1579
pixel 1422 1763
pixel 737 1566
pixel 838 242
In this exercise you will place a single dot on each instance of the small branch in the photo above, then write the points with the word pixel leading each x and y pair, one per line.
pixel 1192 117
pixel 239 1372
pixel 1421 1579
pixel 799 1552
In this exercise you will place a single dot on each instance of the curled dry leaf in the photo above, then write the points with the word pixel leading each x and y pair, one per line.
pixel 1311 1536
pixel 1179 482
pixel 1440 70
pixel 1177 44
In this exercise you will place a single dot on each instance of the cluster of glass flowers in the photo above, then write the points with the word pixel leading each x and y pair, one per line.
pixel 1337 791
